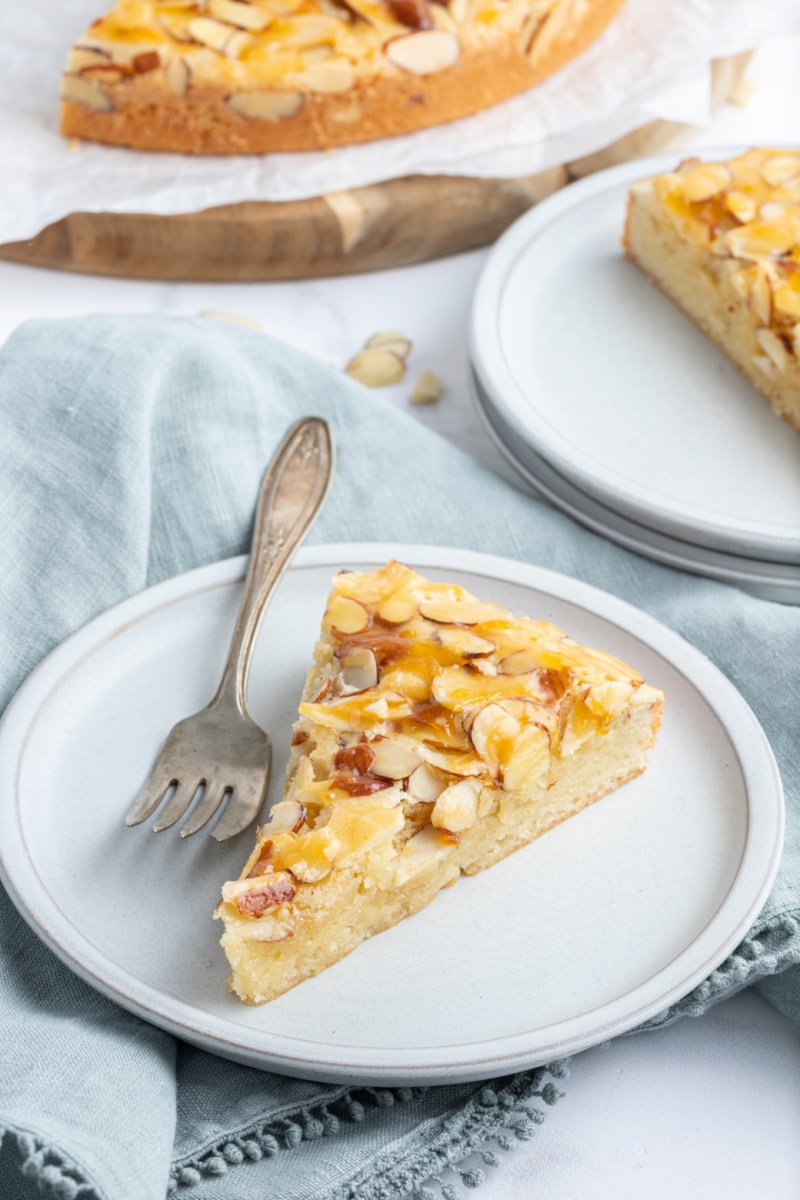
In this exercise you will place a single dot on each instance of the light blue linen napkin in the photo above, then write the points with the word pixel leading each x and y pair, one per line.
pixel 132 451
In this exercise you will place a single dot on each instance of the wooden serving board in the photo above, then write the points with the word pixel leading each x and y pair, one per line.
pixel 389 224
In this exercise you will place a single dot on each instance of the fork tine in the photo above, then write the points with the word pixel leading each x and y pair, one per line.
pixel 177 805
pixel 243 806
pixel 152 792
pixel 212 798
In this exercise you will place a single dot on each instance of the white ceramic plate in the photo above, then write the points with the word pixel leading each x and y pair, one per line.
pixel 776 581
pixel 605 379
pixel 582 935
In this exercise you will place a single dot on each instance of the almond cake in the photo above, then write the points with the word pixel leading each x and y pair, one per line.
pixel 252 76
pixel 722 241
pixel 437 734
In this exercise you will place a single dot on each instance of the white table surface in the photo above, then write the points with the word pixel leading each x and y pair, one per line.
pixel 707 1107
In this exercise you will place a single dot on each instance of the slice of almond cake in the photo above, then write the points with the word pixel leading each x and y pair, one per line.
pixel 437 734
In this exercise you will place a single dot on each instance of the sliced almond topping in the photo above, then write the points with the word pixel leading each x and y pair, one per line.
pixel 211 33
pixel 178 76
pixel 330 77
pixel 786 299
pixel 359 670
pixel 265 106
pixel 762 239
pixel 286 816
pixel 780 169
pixel 397 609
pixel 254 897
pixel 77 89
pixel 774 348
pixel 492 730
pixel 425 849
pixel 393 759
pixel 376 367
pixel 740 205
pixel 276 925
pixel 309 856
pixel 245 16
pixel 86 56
pixel 464 641
pixel 425 784
pixel 425 52
pixel 528 764
pixel 772 210
pixel 462 612
pixel 520 662
pixel 701 181
pixel 346 615
pixel 456 809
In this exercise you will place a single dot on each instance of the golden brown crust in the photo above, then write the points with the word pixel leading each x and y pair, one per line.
pixel 140 108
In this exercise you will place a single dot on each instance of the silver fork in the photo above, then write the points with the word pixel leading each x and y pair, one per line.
pixel 220 750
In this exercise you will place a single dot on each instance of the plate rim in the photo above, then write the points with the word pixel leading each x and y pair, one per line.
pixel 486 354
pixel 779 581
pixel 753 878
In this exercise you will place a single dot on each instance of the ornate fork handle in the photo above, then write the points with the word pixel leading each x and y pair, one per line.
pixel 292 493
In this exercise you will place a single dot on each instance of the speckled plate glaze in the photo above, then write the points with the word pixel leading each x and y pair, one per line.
pixel 595 927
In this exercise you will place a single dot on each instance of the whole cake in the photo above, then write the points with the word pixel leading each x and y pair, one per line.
pixel 437 734
pixel 722 241
pixel 250 76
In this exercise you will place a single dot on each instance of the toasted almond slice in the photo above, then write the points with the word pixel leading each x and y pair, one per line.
pixel 77 89
pixel 376 367
pixel 428 389
pixel 86 56
pixel 787 300
pixel 245 16
pixel 265 106
pixel 528 762
pixel 393 759
pixel 424 53
pixel 464 641
pixel 426 848
pixel 330 77
pixel 391 340
pixel 701 181
pixel 780 168
pixel 286 816
pixel 740 205
pixel 309 856
pixel 178 76
pixel 425 784
pixel 463 612
pixel 520 662
pixel 397 608
pixel 346 615
pixel 774 348
pixel 767 239
pixel 492 728
pixel 772 210
pixel 359 670
pixel 456 809
pixel 210 32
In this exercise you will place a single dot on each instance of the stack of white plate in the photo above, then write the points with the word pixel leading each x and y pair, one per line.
pixel 611 404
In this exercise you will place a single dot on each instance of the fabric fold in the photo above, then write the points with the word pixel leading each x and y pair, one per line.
pixel 134 446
